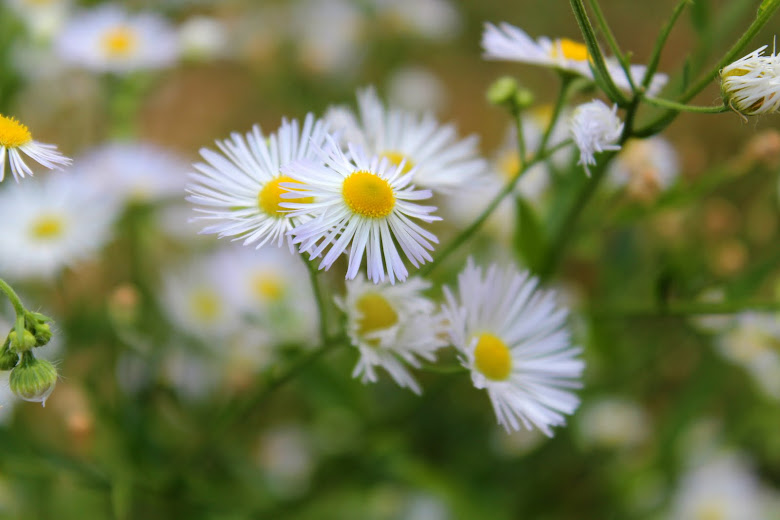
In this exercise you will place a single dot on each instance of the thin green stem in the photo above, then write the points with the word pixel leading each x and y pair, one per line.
pixel 517 116
pixel 13 297
pixel 660 42
pixel 320 299
pixel 563 96
pixel 681 107
pixel 474 227
pixel 683 309
pixel 612 42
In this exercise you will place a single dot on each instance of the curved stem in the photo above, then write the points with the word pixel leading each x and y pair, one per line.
pixel 13 297
pixel 319 298
pixel 680 107
pixel 612 41
pixel 660 42
pixel 563 95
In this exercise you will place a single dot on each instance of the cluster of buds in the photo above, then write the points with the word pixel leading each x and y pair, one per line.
pixel 31 379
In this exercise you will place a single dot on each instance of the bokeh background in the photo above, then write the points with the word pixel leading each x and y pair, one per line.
pixel 157 414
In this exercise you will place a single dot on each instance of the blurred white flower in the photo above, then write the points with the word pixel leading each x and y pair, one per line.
pixel 287 458
pixel 327 35
pixel 433 19
pixel 391 325
pixel 15 141
pixel 109 39
pixel 644 166
pixel 753 342
pixel 50 224
pixel 614 423
pixel 204 38
pixel 43 18
pixel 416 88
pixel 595 128
pixel 751 85
pixel 513 339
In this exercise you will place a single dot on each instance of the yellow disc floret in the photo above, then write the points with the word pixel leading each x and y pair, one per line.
pixel 396 158
pixel 47 227
pixel 119 41
pixel 492 357
pixel 570 50
pixel 270 197
pixel 368 195
pixel 376 313
pixel 13 133
pixel 205 305
pixel 267 287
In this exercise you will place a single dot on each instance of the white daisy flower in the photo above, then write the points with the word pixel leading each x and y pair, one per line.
pixel 507 42
pixel 15 140
pixel 751 85
pixel 434 19
pixel 241 187
pixel 327 35
pixel 391 325
pixel 416 88
pixel 644 167
pixel 204 38
pixel 595 128
pixel 614 422
pixel 361 203
pixel 512 337
pixel 134 171
pixel 43 18
pixel 52 224
pixel 441 161
pixel 109 39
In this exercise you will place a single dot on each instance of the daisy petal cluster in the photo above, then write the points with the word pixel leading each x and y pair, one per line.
pixel 363 203
pixel 513 339
pixel 595 128
pixel 507 42
pixel 109 39
pixel 441 160
pixel 751 85
pixel 15 141
pixel 391 326
pixel 240 186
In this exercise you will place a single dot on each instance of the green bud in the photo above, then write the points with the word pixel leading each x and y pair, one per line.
pixel 28 341
pixel 42 333
pixel 502 91
pixel 33 379
pixel 8 358
pixel 524 98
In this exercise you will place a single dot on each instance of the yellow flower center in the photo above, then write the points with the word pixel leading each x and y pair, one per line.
pixel 47 227
pixel 368 195
pixel 270 197
pixel 396 158
pixel 120 41
pixel 492 357
pixel 710 511
pixel 205 305
pixel 509 165
pixel 376 313
pixel 570 50
pixel 267 287
pixel 13 133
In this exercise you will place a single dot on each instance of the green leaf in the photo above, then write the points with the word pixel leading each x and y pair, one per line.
pixel 701 15
pixel 530 241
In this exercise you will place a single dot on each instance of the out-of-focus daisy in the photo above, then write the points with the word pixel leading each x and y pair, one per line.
pixel 241 187
pixel 613 423
pixel 52 224
pixel 507 42
pixel 462 208
pixel 434 19
pixel 327 35
pixel 362 203
pixel 287 457
pixel 15 140
pixel 391 325
pixel 754 343
pixel 203 38
pixel 513 339
pixel 416 88
pixel 134 171
pixel 595 128
pixel 109 39
pixel 751 85
pixel 43 18
pixel 440 160
pixel 645 167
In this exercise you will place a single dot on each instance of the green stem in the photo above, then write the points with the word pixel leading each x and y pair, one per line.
pixel 320 299
pixel 681 107
pixel 612 42
pixel 563 96
pixel 13 297
pixel 660 42
pixel 517 115
pixel 474 227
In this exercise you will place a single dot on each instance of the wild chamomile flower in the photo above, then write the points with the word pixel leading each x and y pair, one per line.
pixel 507 42
pixel 644 167
pixel 241 187
pixel 512 337
pixel 15 140
pixel 751 85
pixel 595 128
pixel 362 203
pixel 109 39
pixel 391 325
pixel 440 160
pixel 50 224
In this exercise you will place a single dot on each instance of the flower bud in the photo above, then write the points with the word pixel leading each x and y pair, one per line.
pixel 751 84
pixel 33 379
pixel 8 358
pixel 502 91
pixel 28 341
pixel 42 333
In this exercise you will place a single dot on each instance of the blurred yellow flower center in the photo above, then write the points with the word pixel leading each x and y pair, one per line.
pixel 119 41
pixel 396 158
pixel 376 313
pixel 270 197
pixel 710 511
pixel 47 227
pixel 492 357
pixel 13 133
pixel 509 165
pixel 267 286
pixel 570 50
pixel 368 195
pixel 205 305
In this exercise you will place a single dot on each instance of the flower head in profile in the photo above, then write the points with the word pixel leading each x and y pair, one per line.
pixel 361 203
pixel 241 187
pixel 595 128
pixel 109 39
pixel 513 339
pixel 507 42
pixel 391 326
pixel 441 160
pixel 751 85
pixel 16 140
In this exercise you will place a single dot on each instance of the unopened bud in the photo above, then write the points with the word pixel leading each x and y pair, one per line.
pixel 8 358
pixel 33 379
pixel 750 84
pixel 28 341
pixel 524 98
pixel 502 91
pixel 42 333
